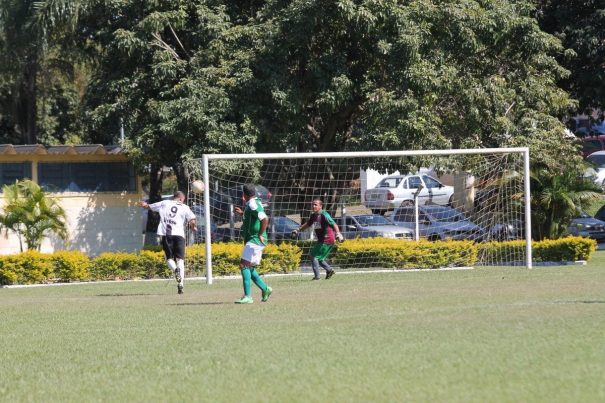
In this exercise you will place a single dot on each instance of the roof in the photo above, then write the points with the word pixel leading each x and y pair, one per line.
pixel 80 149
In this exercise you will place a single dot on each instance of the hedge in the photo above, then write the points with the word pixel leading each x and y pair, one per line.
pixel 35 267
pixel 393 253
pixel 568 249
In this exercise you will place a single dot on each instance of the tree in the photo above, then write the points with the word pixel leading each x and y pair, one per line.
pixel 580 25
pixel 164 73
pixel 557 198
pixel 31 57
pixel 388 75
pixel 31 215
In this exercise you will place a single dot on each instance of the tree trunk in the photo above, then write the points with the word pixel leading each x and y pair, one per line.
pixel 182 177
pixel 29 102
pixel 156 175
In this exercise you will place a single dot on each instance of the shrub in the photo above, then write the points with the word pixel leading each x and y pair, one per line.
pixel 226 256
pixel 70 265
pixel 392 253
pixel 153 264
pixel 116 266
pixel 26 268
pixel 568 249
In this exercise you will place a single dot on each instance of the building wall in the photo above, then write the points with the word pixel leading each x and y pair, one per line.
pixel 97 222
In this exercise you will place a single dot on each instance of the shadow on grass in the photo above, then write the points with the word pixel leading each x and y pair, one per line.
pixel 580 302
pixel 200 303
pixel 126 295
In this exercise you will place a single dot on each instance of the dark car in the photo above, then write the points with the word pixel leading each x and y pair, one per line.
pixel 222 201
pixel 587 226
pixel 280 228
pixel 200 232
pixel 508 231
pixel 438 223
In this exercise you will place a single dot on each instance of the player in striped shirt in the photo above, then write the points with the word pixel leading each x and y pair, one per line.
pixel 174 214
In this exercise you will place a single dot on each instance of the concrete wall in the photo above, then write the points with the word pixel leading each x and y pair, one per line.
pixel 96 223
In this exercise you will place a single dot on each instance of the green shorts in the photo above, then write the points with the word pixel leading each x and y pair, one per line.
pixel 321 251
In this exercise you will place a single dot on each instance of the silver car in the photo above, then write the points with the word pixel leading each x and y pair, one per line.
pixel 438 223
pixel 399 190
pixel 374 225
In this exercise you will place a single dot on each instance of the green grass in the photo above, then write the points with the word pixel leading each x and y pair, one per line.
pixel 498 334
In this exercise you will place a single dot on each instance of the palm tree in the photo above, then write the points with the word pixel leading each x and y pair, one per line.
pixel 31 215
pixel 557 198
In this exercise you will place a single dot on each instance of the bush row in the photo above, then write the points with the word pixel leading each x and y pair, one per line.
pixel 393 253
pixel 35 267
pixel 568 249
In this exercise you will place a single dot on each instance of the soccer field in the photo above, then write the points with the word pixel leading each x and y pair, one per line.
pixel 498 334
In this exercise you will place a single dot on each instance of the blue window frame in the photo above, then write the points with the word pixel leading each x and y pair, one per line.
pixel 87 177
pixel 13 171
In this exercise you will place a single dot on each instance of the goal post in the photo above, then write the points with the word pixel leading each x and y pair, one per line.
pixel 489 188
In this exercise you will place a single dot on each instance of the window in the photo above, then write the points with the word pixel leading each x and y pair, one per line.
pixel 414 182
pixel 87 177
pixel 389 183
pixel 430 182
pixel 13 171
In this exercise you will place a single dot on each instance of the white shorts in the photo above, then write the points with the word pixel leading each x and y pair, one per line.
pixel 253 253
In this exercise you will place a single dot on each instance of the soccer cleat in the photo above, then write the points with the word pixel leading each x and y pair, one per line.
pixel 267 294
pixel 179 288
pixel 245 300
pixel 329 274
pixel 315 278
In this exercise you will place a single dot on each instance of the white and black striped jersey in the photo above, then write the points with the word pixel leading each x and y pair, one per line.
pixel 173 217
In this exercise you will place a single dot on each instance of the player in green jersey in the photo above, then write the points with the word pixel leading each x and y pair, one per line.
pixel 254 231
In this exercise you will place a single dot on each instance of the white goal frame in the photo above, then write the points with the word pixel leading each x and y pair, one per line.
pixel 416 153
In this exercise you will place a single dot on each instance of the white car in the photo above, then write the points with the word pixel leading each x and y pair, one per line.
pixel 398 191
pixel 597 173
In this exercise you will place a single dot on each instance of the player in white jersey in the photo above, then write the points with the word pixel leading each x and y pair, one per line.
pixel 174 214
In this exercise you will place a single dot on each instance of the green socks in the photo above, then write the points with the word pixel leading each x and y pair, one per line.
pixel 250 273
pixel 247 284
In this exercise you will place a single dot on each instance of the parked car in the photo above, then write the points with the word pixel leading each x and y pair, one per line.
pixel 438 223
pixel 597 172
pixel 200 232
pixel 398 190
pixel 221 200
pixel 587 226
pixel 373 225
pixel 508 231
pixel 592 144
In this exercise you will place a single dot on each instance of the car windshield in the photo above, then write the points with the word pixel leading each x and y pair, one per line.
pixel 598 160
pixel 366 220
pixel 446 214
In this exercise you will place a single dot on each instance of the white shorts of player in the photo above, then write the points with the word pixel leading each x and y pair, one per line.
pixel 253 253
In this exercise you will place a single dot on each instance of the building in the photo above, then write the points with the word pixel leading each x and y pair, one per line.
pixel 96 185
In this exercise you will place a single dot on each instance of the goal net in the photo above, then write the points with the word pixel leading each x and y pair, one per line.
pixel 396 210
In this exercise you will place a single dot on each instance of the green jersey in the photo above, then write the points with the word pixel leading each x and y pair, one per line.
pixel 253 215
